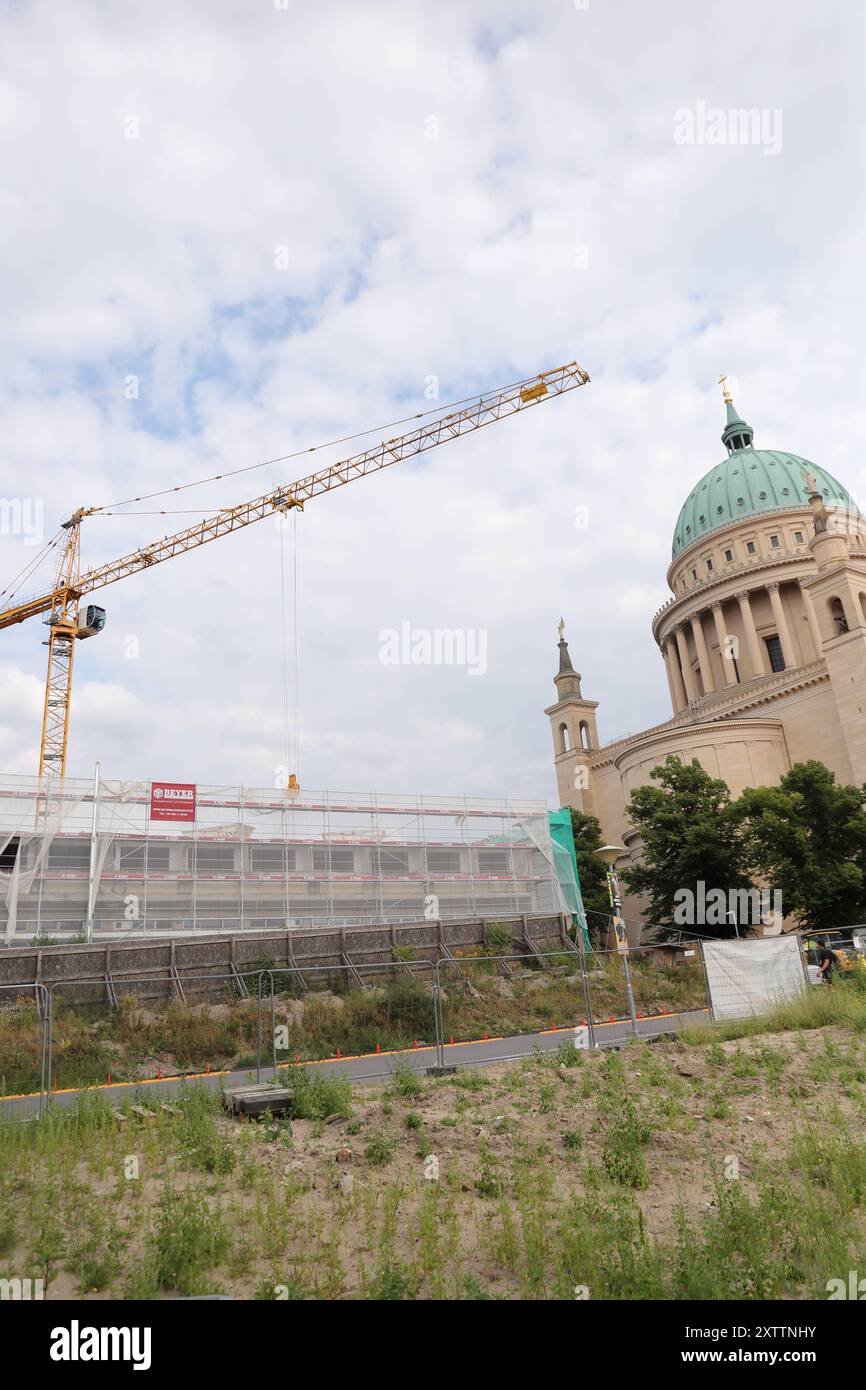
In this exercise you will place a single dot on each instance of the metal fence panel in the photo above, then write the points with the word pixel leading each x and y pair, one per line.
pixel 752 976
pixel 24 1028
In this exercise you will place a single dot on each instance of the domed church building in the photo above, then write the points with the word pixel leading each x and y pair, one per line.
pixel 763 640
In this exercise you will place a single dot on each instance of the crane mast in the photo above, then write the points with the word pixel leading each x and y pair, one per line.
pixel 60 604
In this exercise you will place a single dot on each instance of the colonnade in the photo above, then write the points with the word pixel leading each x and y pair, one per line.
pixel 743 654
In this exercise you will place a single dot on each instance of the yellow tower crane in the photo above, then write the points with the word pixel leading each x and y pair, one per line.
pixel 69 620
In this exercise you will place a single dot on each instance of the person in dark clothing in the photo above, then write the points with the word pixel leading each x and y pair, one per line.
pixel 828 965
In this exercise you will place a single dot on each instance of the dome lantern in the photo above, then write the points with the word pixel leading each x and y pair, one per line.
pixel 737 434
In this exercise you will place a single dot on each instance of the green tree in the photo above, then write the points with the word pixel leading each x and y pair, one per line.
pixel 806 838
pixel 691 836
pixel 591 872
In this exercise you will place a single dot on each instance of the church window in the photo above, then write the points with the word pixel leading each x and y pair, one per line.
pixel 774 651
pixel 695 576
pixel 584 735
pixel 837 613
pixel 798 537
pixel 750 547
pixel 729 555
pixel 774 542
pixel 563 738
pixel 709 566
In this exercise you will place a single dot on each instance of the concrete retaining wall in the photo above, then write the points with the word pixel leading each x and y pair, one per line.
pixel 150 969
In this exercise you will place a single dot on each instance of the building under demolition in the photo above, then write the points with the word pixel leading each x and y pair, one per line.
pixel 111 858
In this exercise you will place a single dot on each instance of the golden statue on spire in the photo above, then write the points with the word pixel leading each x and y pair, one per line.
pixel 726 395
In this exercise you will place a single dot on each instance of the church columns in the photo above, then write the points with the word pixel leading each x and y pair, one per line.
pixel 703 655
pixel 812 620
pixel 751 632
pixel 782 624
pixel 723 635
pixel 686 665
pixel 679 700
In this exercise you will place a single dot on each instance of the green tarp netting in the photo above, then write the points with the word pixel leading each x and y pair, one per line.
pixel 565 863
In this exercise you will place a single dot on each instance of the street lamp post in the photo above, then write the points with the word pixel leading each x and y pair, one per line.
pixel 609 854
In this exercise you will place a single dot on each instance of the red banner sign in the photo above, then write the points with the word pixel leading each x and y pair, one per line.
pixel 172 801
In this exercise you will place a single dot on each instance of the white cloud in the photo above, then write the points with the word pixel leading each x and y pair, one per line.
pixel 408 257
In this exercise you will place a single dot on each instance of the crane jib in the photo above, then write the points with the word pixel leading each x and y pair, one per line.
pixel 61 602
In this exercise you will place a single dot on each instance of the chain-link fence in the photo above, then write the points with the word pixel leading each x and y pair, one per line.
pixel 608 994
pixel 24 1032
pixel 459 1010
pixel 80 1033
pixel 321 1013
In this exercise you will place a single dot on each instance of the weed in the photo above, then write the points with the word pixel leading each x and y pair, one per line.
pixel 487 1181
pixel 407 1082
pixel 188 1241
pixel 379 1150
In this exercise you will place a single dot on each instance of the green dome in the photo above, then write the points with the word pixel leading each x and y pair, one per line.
pixel 750 481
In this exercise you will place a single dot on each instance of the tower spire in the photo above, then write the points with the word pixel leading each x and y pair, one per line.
pixel 565 666
pixel 736 434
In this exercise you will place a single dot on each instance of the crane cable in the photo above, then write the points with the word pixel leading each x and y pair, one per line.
pixel 312 449
pixel 29 569
pixel 291 727
pixel 295 645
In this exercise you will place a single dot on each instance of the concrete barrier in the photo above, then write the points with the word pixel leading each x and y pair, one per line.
pixel 357 948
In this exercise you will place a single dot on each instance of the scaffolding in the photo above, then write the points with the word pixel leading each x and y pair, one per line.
pixel 83 859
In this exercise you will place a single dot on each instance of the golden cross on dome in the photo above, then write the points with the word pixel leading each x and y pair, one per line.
pixel 726 395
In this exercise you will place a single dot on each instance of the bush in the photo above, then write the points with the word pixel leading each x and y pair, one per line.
pixel 498 938
pixel 622 1156
pixel 409 1004
pixel 407 1082
pixel 315 1097
pixel 379 1150
pixel 187 1242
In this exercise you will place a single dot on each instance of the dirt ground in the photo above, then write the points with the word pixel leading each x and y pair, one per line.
pixel 513 1181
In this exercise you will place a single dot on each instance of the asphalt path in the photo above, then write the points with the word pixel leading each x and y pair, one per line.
pixel 371 1068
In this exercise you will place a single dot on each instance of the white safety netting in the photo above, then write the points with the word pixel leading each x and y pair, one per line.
pixel 749 977
pixel 31 816
pixel 262 859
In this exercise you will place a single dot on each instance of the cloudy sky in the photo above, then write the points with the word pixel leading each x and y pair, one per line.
pixel 234 230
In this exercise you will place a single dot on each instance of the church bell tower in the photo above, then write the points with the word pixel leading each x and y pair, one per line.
pixel 575 734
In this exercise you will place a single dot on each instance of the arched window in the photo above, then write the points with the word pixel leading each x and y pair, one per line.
pixel 837 614
pixel 564 745
pixel 584 735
